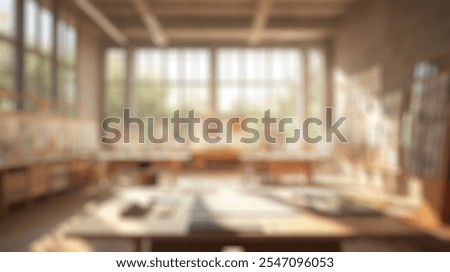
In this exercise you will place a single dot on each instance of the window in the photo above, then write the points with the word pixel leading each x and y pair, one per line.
pixel 290 82
pixel 316 74
pixel 170 79
pixel 6 65
pixel 7 54
pixel 31 23
pixel 67 43
pixel 7 17
pixel 46 20
pixel 251 81
pixel 32 56
pixel 38 69
pixel 38 54
pixel 115 81
pixel 316 92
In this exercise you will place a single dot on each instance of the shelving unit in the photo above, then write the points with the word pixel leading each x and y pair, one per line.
pixel 427 135
pixel 42 154
pixel 24 184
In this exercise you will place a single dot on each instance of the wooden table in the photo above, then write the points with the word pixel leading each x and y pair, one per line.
pixel 204 158
pixel 161 156
pixel 273 163
pixel 210 217
pixel 170 161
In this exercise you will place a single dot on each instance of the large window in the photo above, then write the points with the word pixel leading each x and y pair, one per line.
pixel 290 82
pixel 38 53
pixel 7 17
pixel 67 54
pixel 316 74
pixel 170 79
pixel 7 54
pixel 251 81
pixel 316 88
pixel 38 43
pixel 115 81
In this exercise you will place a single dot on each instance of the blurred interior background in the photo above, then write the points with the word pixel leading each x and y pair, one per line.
pixel 65 66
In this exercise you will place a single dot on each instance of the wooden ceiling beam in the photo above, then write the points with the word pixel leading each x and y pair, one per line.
pixel 241 34
pixel 113 12
pixel 231 12
pixel 260 21
pixel 102 21
pixel 152 23
pixel 209 2
pixel 308 10
pixel 167 8
pixel 209 34
pixel 204 11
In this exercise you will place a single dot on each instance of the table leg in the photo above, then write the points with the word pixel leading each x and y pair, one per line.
pixel 143 245
pixel 138 245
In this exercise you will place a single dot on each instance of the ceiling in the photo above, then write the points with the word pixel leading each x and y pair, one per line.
pixel 245 22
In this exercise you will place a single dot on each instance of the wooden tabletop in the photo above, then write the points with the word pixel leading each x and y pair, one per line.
pixel 244 211
pixel 282 155
pixel 150 155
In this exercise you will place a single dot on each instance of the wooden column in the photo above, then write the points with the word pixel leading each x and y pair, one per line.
pixel 130 96
pixel 54 72
pixel 102 94
pixel 19 58
pixel 329 63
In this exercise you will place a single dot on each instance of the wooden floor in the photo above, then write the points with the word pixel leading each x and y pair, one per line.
pixel 43 227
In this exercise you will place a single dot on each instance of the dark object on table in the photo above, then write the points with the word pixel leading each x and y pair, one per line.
pixel 136 210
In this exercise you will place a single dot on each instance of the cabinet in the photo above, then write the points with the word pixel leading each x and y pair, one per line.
pixel 39 178
pixel 14 186
pixel 28 182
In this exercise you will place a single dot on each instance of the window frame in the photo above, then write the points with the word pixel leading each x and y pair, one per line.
pixel 41 100
pixel 302 111
pixel 9 94
pixel 47 94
